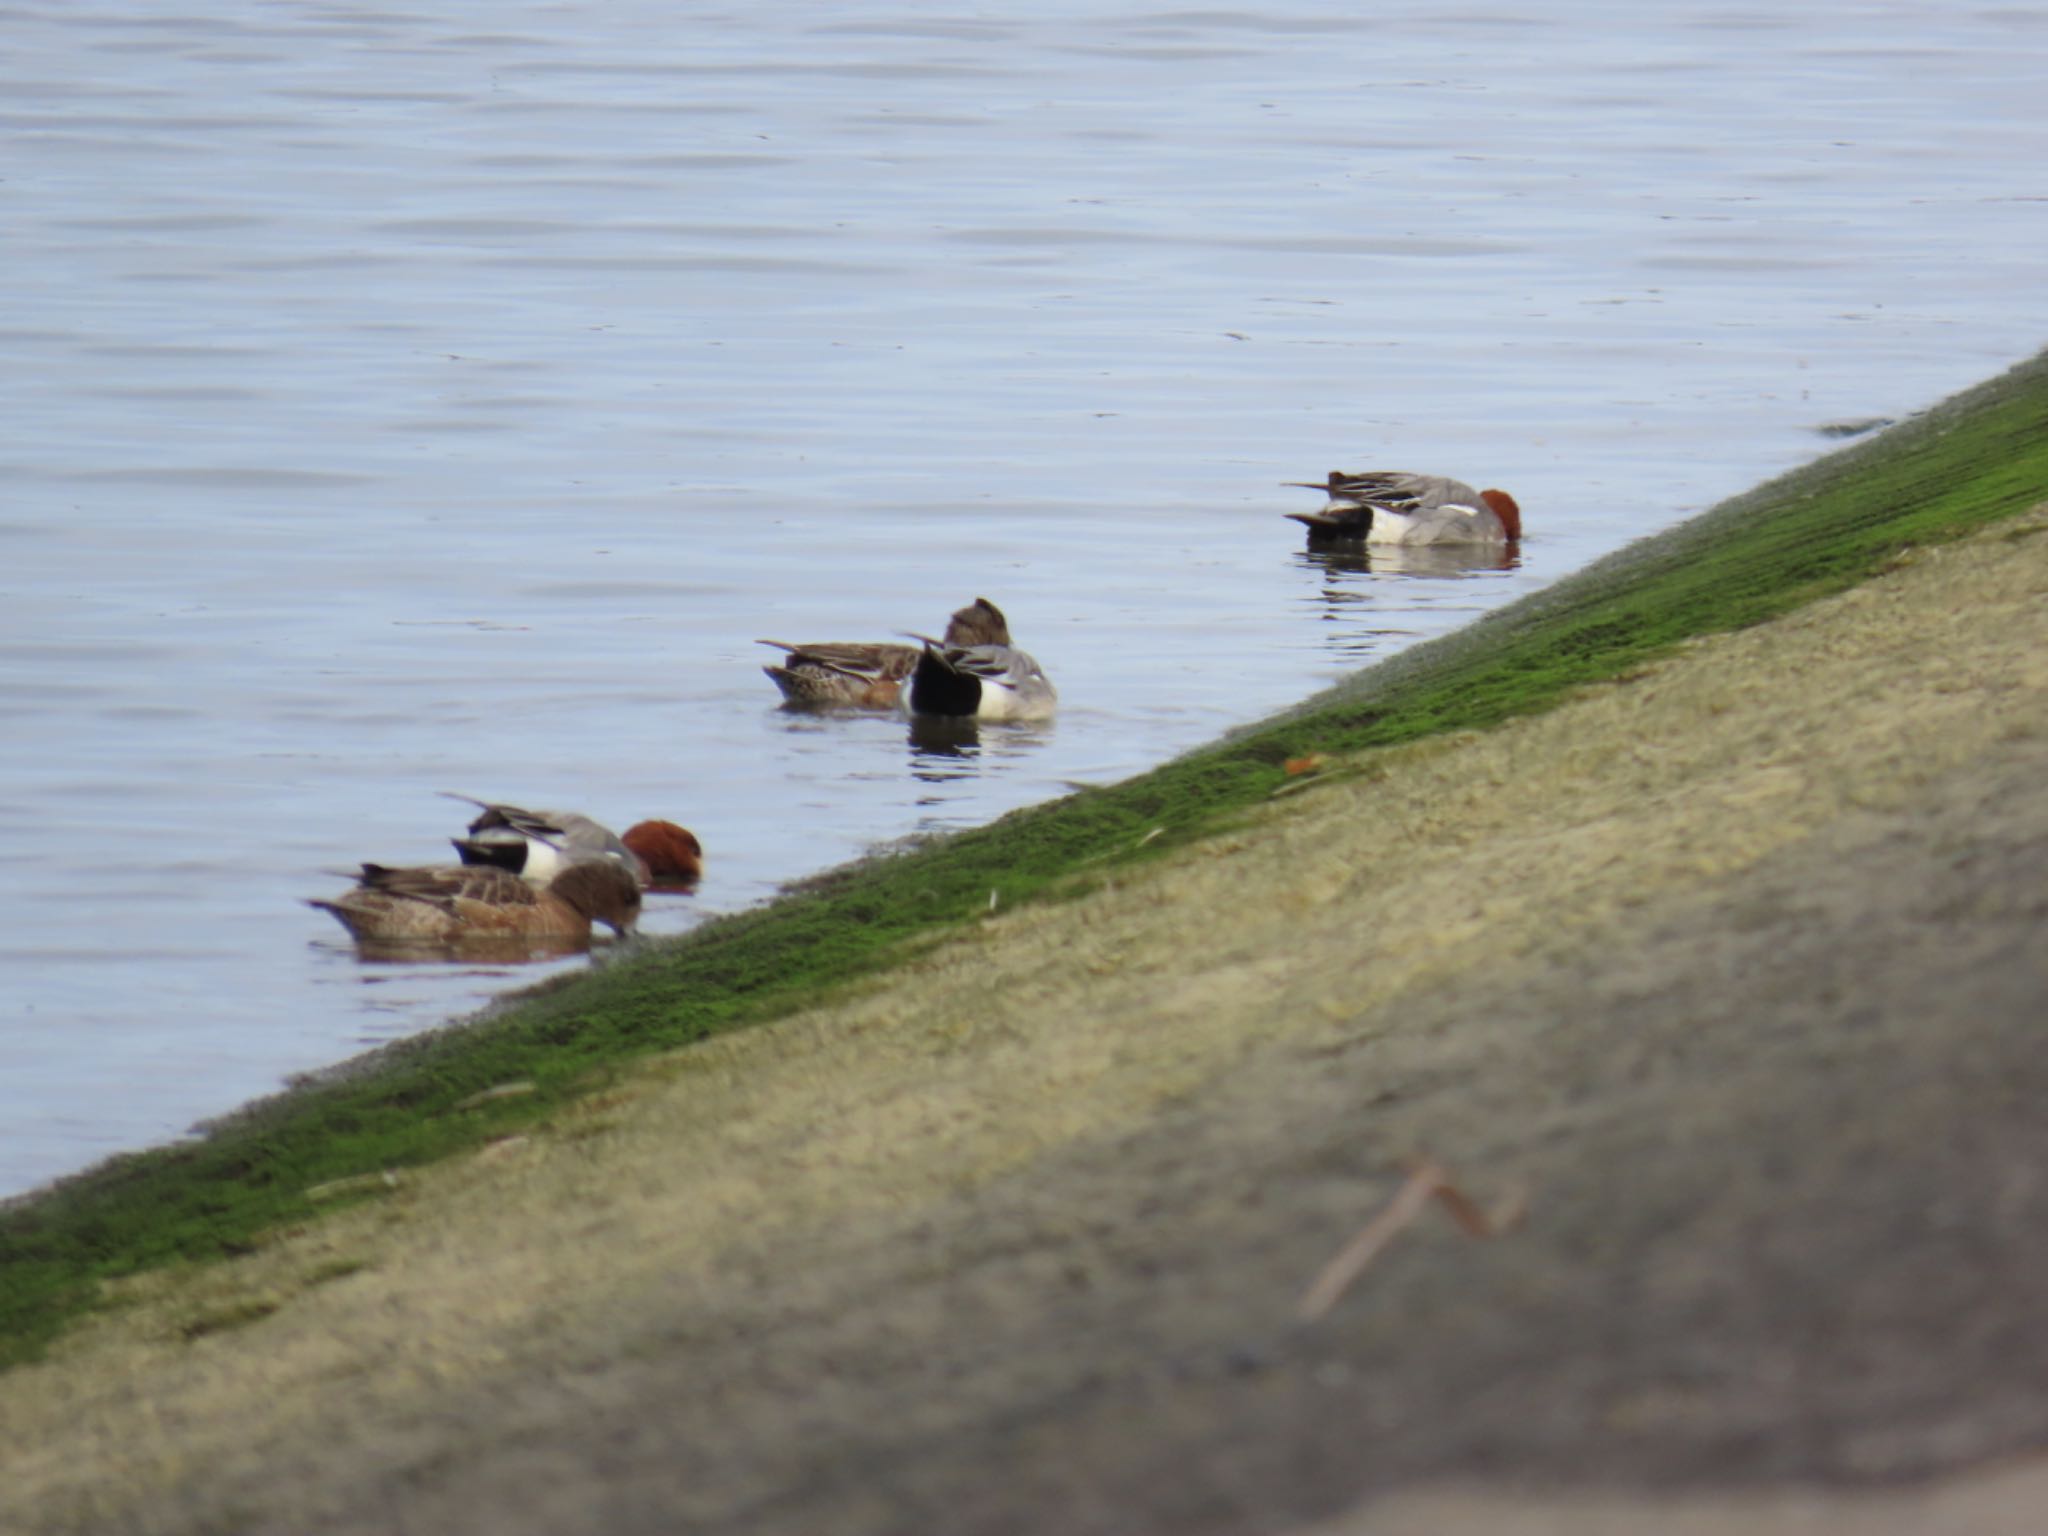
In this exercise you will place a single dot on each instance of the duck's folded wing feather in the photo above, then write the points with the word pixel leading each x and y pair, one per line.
pixel 857 659
pixel 1002 664
pixel 543 826
pixel 1393 489
pixel 447 886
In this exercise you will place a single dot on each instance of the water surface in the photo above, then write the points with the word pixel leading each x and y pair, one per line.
pixel 407 399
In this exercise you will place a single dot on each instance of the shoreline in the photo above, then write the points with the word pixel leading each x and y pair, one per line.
pixel 991 1212
pixel 1052 1180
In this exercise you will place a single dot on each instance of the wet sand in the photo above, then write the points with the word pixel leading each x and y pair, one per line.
pixel 1734 966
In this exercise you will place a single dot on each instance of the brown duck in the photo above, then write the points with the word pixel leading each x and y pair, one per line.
pixel 450 903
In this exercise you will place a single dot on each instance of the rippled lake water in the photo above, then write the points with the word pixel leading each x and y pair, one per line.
pixel 414 398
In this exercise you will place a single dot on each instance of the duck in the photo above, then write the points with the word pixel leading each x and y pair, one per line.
pixel 670 857
pixel 976 673
pixel 866 675
pixel 1393 507
pixel 538 845
pixel 449 903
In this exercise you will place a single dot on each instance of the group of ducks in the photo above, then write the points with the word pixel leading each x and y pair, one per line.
pixel 976 671
pixel 546 877
pixel 550 875
pixel 973 673
pixel 525 876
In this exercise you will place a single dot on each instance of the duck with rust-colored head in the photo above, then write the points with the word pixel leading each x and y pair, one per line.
pixel 538 845
pixel 871 675
pixel 671 858
pixel 447 904
pixel 1391 507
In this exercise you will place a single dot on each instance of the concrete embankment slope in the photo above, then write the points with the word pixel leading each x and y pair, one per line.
pixel 1734 962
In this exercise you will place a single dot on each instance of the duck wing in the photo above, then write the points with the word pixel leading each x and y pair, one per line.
pixel 855 659
pixel 1398 491
pixel 1003 665
pixel 496 834
pixel 513 820
pixel 450 887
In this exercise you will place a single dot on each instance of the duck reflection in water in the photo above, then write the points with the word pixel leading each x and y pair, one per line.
pixel 1366 619
pixel 1438 560
pixel 483 956
pixel 945 748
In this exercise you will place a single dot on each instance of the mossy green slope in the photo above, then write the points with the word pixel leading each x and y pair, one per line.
pixel 1979 457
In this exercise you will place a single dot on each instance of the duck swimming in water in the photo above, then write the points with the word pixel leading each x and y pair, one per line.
pixel 1391 507
pixel 982 679
pixel 864 675
pixel 538 845
pixel 449 903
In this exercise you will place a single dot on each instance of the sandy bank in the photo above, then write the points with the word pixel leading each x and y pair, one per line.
pixel 1736 964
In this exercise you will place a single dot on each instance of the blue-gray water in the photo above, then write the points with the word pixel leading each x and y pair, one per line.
pixel 444 397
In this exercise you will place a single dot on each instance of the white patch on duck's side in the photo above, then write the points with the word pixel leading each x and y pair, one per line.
pixel 1451 523
pixel 1000 703
pixel 1021 691
pixel 1011 685
pixel 544 861
pixel 539 861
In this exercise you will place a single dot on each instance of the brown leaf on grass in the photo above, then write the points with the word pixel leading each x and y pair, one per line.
pixel 1310 763
pixel 1425 1180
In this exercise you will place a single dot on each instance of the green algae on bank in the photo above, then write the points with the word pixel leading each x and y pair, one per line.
pixel 1979 457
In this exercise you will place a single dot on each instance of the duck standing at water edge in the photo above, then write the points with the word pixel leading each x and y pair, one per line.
pixel 976 673
pixel 1391 507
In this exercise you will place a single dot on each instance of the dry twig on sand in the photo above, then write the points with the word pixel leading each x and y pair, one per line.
pixel 1426 1180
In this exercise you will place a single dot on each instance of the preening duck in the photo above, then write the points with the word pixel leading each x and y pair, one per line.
pixel 976 672
pixel 871 675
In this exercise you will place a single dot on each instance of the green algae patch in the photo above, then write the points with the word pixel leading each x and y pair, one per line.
pixel 349 1140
